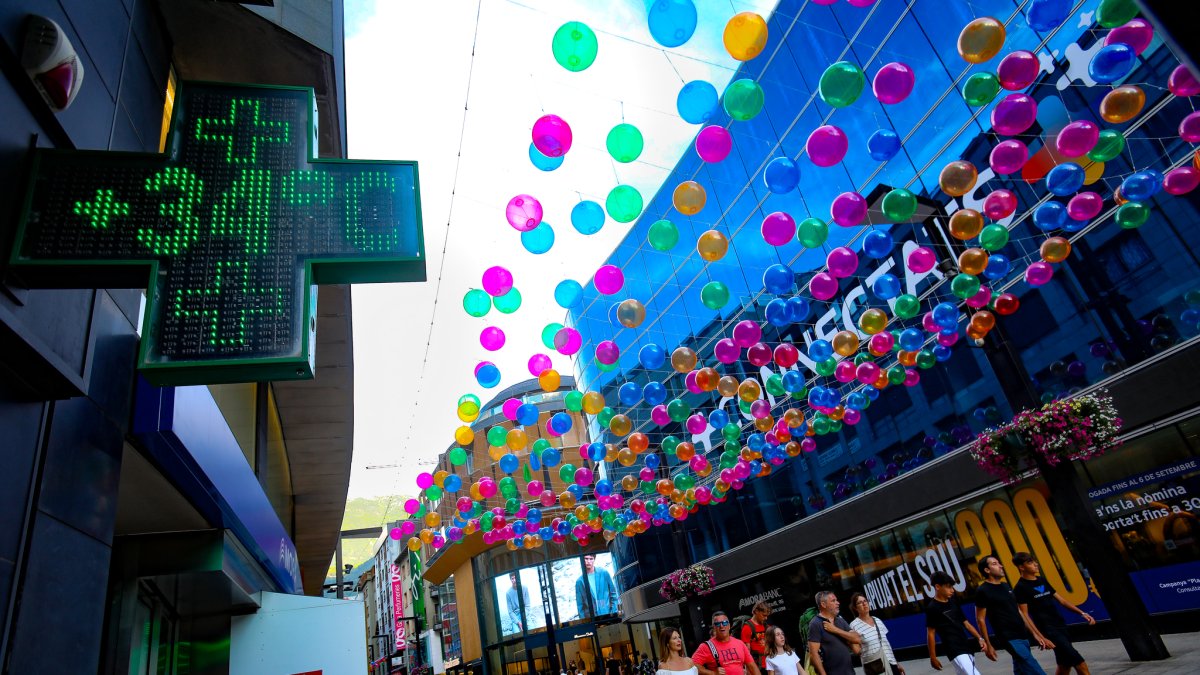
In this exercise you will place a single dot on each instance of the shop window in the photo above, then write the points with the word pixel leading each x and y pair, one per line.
pixel 238 405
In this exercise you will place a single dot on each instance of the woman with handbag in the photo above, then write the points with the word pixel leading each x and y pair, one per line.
pixel 877 656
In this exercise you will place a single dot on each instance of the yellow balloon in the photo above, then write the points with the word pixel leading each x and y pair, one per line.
pixel 566 499
pixel 464 435
pixel 475 494
pixel 593 402
pixel 631 313
pixel 872 321
pixel 712 245
pixel 727 385
pixel 745 36
pixel 966 224
pixel 845 343
pixel 581 512
pixel 433 519
pixel 439 478
pixel 515 439
pixel 749 391
pixel 958 178
pixel 1092 172
pixel 973 261
pixel 510 544
pixel 981 40
pixel 620 425
pixel 549 380
pixel 469 528
pixel 629 482
pixel 1122 104
pixel 426 536
pixel 689 198
pixel 414 544
pixel 683 360
pixel 467 412
pixel 495 452
pixel 1055 249
pixel 610 452
pixel 626 457
pixel 794 417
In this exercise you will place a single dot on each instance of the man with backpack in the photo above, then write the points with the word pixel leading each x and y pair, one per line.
pixel 753 632
pixel 724 654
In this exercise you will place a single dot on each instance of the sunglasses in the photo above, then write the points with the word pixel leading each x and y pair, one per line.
pixel 720 623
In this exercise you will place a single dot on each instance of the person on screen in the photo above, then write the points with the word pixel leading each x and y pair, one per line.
pixel 603 590
pixel 513 605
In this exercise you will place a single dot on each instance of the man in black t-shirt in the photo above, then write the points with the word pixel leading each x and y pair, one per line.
pixel 1036 600
pixel 831 643
pixel 994 599
pixel 944 620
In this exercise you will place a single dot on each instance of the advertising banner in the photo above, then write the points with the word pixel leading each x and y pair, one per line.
pixel 398 608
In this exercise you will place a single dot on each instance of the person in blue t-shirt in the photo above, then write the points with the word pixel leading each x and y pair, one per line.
pixel 603 590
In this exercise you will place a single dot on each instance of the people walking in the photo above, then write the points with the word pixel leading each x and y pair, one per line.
pixel 781 659
pixel 674 658
pixel 945 621
pixel 831 643
pixel 1036 599
pixel 877 656
pixel 994 600
pixel 754 632
pixel 724 654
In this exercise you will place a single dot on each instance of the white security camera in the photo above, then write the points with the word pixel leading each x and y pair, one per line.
pixel 51 61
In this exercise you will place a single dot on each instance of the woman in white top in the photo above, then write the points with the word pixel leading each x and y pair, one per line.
pixel 875 645
pixel 674 660
pixel 781 658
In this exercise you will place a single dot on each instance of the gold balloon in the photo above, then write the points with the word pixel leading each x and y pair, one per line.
pixel 689 198
pixel 439 478
pixel 683 360
pixel 626 457
pixel 593 402
pixel 981 40
pixel 620 425
pixel 467 412
pixel 610 452
pixel 581 512
pixel 549 380
pixel 966 224
pixel 414 544
pixel 745 36
pixel 727 385
pixel 475 493
pixel 433 519
pixel 515 439
pixel 629 482
pixel 1055 249
pixel 631 313
pixel 764 423
pixel 464 435
pixel 426 536
pixel 749 390
pixel 495 452
pixel 1122 104
pixel 845 343
pixel 510 544
pixel 712 245
pixel 973 261
pixel 958 178
pixel 872 321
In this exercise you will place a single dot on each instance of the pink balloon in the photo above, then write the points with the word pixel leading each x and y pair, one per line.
pixel 567 341
pixel 689 381
pixel 727 351
pixel 609 279
pixel 866 372
pixel 524 213
pixel 911 377
pixel 827 145
pixel 1183 82
pixel 1085 206
pixel 842 262
pixel 1189 128
pixel 497 281
pixel 823 286
pixel 491 338
pixel 1014 114
pixel 1018 70
pixel 929 323
pixel 981 298
pixel 949 338
pixel 1077 138
pixel 658 415
pixel 881 343
pixel 921 260
pixel 852 416
pixel 1138 34
pixel 1038 273
pixel 510 409
pixel 607 352
pixel 848 209
pixel 696 424
pixel 1000 204
pixel 758 354
pixel 1181 181
pixel 893 83
pixel 408 527
pixel 778 228
pixel 844 371
pixel 713 143
pixel 552 136
pixel 786 355
pixel 760 409
pixel 1008 157
pixel 539 363
pixel 746 333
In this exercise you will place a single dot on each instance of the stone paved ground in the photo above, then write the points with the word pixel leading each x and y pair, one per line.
pixel 1104 657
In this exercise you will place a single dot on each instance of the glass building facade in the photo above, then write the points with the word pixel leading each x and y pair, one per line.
pixel 1117 301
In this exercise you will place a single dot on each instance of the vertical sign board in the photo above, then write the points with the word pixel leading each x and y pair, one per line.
pixel 398 608
pixel 229 231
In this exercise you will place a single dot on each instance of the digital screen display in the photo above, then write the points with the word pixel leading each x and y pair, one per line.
pixel 586 588
pixel 512 596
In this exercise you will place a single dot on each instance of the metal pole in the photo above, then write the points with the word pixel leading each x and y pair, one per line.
pixel 338 563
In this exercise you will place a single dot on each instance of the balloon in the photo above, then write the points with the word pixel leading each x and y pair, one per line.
pixel 539 363
pixel 965 285
pixel 877 244
pixel 1038 274
pixel 567 341
pixel 713 143
pixel 1140 186
pixel 1109 144
pixel 972 261
pixel 823 286
pixel 524 213
pixel 842 262
pixel 551 136
pixel 608 279
pixel 848 209
pixel 652 357
pixel 1113 13
pixel 1046 15
pixel 812 232
pixel 631 313
pixel 509 302
pixel 1181 180
pixel 477 303
pixel 998 267
pixel 958 178
pixel 893 83
pixel 587 217
pixel 624 143
pixel 1182 82
pixel 671 22
pixel 1065 179
pixel 886 287
pixel 1014 114
pixel 574 46
pixel 778 228
pixel 497 281
pixel 798 309
pixel 981 39
pixel 841 84
pixel 980 89
pixel 1122 104
pixel 1077 138
pixel 781 175
pixel 1055 249
pixel 1050 216
pixel 568 293
pixel 712 245
pixel 689 198
pixel 542 162
pixel 966 224
pixel 745 36
pixel 746 333
pixel 993 237
pixel 883 145
pixel 826 145
pixel 491 338
pixel 1008 157
pixel 624 203
pixel 714 295
pixel 921 260
pixel 663 235
pixel 487 374
pixel 697 101
pixel 1112 63
pixel 1137 33
pixel 538 240
pixel 743 99
pixel 1189 128
pixel 1132 215
pixel 1084 206
pixel 899 205
pixel 1018 70
pixel 607 352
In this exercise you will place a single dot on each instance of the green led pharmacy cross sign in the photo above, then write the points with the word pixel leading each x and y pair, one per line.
pixel 229 231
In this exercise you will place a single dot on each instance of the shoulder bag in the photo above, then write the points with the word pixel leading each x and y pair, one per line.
pixel 879 666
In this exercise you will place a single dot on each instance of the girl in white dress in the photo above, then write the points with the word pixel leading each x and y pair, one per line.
pixel 781 658
pixel 674 660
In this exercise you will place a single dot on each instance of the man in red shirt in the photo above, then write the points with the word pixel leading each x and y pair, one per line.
pixel 724 655
pixel 754 632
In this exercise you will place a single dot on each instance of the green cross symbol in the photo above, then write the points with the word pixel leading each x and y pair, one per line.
pixel 229 231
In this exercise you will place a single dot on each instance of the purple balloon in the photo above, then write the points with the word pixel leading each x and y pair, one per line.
pixel 1014 114
pixel 893 83
pixel 1138 34
pixel 658 415
pixel 524 213
pixel 1189 128
pixel 607 352
pixel 778 228
pixel 921 260
pixel 1008 157
pixel 842 262
pixel 1181 180
pixel 727 351
pixel 848 209
pixel 713 143
pixel 1018 70
pixel 1038 273
pixel 1183 82
pixel 539 363
pixel 491 338
pixel 690 382
pixel 497 281
pixel 746 333
pixel 826 145
pixel 1077 138
pixel 1085 206
pixel 609 279
pixel 697 423
pixel 823 286
pixel 552 136
pixel 567 341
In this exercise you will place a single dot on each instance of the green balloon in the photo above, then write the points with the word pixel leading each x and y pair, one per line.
pixel 624 203
pixel 906 306
pixel 743 99
pixel 826 367
pixel 821 425
pixel 573 400
pixel 433 493
pixel 485 521
pixel 574 46
pixel 728 459
pixel 512 505
pixel 812 232
pixel 1132 215
pixel 678 410
pixel 647 487
pixel 899 205
pixel 607 367
pixel 624 143
pixel 1113 13
pixel 605 416
pixel 1109 145
pixel 861 358
pixel 926 359
pixel 744 406
pixel 539 446
pixel 496 436
pixel 669 444
pixel 841 84
pixel 896 375
pixel 663 236
pixel 964 285
pixel 835 426
pixel 477 302
pixel 980 89
pixel 993 237
pixel 508 486
pixel 549 332
pixel 457 456
pixel 684 481
pixel 509 302
pixel 731 432
pixel 567 473
pixel 774 385
pixel 714 295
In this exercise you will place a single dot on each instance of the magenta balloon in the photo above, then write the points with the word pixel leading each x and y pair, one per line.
pixel 844 371
pixel 567 341
pixel 823 286
pixel 1189 128
pixel 552 135
pixel 1077 138
pixel 696 424
pixel 1038 273
pixel 524 213
pixel 481 364
pixel 1181 181
pixel 1138 34
pixel 866 372
pixel 727 351
pixel 1018 70
pixel 947 339
pixel 1014 114
pixel 929 323
pixel 690 382
pixel 510 409
pixel 746 333
pixel 848 209
pixel 658 415
pixel 713 143
pixel 409 526
pixel 981 298
pixel 842 262
pixel 760 409
pixel 539 363
pixel 497 281
pixel 893 83
pixel 849 416
pixel 1000 204
pixel 1008 157
pixel 1085 206
pixel 607 352
pixel 609 279
pixel 911 377
pixel 881 343
pixel 491 338
pixel 758 354
pixel 921 260
pixel 1183 82
pixel 826 145
pixel 778 228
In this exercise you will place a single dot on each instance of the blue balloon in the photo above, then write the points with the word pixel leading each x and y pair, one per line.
pixel 779 279
pixel 998 267
pixel 798 309
pixel 587 217
pixel 518 527
pixel 697 102
pixel 603 487
pixel 576 489
pixel 453 483
pixel 911 339
pixel 756 441
pixel 776 313
pixel 551 457
pixel 883 145
pixel 509 463
pixel 793 382
pixel 820 350
pixel 568 293
pixel 545 532
pixel 1140 186
pixel 561 423
pixel 942 352
pixel 878 244
pixel 671 22
pixel 534 515
pixel 595 451
pixel 719 418
pixel 527 414
pixel 652 356
pixel 629 394
pixel 543 162
pixel 1112 63
pixel 856 400
pixel 652 460
pixel 488 376
pixel 871 392
pixel 886 287
pixel 781 175
pixel 538 240
pixel 1046 15
pixel 654 393
pixel 945 314
pixel 1050 216
pixel 564 528
pixel 1065 179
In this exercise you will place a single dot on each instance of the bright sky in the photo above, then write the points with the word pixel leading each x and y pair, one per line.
pixel 408 70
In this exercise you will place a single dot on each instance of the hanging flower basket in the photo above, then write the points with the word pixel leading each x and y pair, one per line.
pixel 1077 428
pixel 690 582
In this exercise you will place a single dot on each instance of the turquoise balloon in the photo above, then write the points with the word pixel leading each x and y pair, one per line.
pixel 587 217
pixel 538 240
pixel 671 22
pixel 542 162
pixel 568 293
pixel 697 102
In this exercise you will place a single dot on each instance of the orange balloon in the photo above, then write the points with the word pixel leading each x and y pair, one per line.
pixel 749 391
pixel 549 380
pixel 626 457
pixel 1055 249
pixel 610 452
pixel 1122 104
pixel 764 423
pixel 983 320
pixel 620 425
pixel 689 198
pixel 712 245
pixel 567 499
pixel 981 40
pixel 683 360
pixel 638 442
pixel 973 261
pixel 707 378
pixel 727 385
pixel 966 224
pixel 685 451
pixel 845 343
pixel 906 358
pixel 629 482
pixel 958 178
